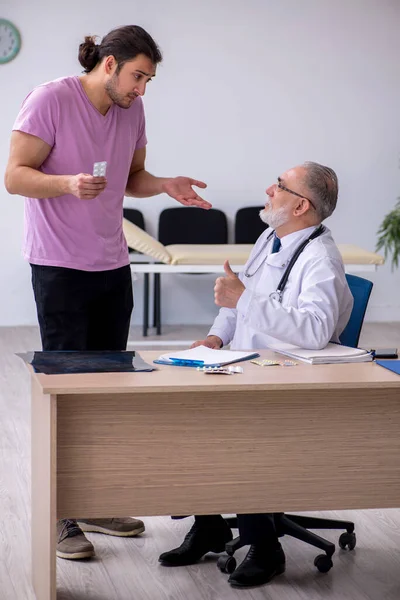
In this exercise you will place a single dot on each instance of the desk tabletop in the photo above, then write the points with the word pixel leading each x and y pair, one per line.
pixel 178 379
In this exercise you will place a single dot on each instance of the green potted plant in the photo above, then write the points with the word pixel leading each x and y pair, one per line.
pixel 389 235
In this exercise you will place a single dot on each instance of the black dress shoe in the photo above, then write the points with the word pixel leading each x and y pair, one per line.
pixel 259 566
pixel 203 537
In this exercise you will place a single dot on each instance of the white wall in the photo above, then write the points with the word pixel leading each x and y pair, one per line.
pixel 246 90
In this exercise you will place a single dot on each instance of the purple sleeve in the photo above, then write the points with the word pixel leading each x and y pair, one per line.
pixel 39 115
pixel 142 139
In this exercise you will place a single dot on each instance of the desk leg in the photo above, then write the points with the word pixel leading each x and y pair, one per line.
pixel 44 485
pixel 157 302
pixel 146 305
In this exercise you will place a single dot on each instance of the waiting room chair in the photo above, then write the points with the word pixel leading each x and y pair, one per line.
pixel 187 225
pixel 248 225
pixel 192 225
pixel 295 525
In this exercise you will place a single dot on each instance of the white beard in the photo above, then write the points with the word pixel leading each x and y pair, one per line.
pixel 274 218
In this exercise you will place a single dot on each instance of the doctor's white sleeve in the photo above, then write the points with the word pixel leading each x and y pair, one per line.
pixel 224 325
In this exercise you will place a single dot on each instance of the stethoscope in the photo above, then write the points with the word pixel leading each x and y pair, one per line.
pixel 277 295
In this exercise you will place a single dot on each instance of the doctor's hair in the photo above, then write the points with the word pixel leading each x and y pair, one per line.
pixel 323 185
pixel 124 43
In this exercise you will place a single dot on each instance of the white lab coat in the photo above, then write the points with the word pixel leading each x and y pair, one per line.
pixel 316 303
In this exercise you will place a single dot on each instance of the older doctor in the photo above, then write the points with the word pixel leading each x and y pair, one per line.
pixel 292 289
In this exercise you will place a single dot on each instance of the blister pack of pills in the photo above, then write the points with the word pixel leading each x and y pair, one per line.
pixel 274 363
pixel 99 169
pixel 266 363
pixel 220 370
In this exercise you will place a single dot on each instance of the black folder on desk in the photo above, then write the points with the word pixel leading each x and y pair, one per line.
pixel 95 361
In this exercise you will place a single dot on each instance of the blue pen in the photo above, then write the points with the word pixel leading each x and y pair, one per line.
pixel 187 363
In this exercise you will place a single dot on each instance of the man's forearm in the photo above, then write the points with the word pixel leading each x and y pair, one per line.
pixel 32 183
pixel 142 184
pixel 224 325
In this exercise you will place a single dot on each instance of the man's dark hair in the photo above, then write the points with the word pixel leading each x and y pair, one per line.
pixel 124 43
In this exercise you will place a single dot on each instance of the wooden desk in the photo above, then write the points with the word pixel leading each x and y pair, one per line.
pixel 177 441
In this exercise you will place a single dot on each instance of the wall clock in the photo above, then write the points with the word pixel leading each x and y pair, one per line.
pixel 10 41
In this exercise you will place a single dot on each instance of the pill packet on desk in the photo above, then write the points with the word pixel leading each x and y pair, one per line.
pixel 266 363
pixel 220 370
pixel 274 363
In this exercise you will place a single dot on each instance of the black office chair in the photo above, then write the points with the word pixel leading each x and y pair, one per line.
pixel 248 225
pixel 187 225
pixel 295 525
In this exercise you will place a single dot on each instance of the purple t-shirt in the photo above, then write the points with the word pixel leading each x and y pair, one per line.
pixel 66 231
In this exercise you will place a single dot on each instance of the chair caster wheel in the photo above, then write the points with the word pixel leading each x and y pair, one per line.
pixel 347 541
pixel 226 564
pixel 323 563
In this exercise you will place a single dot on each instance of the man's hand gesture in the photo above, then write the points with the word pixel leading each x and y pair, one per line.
pixel 180 188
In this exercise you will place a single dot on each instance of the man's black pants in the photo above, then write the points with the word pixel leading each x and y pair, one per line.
pixel 83 310
pixel 258 529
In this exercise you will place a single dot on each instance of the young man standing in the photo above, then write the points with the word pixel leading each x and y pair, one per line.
pixel 73 219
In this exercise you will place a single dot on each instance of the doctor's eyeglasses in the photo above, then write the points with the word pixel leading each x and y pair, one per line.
pixel 285 189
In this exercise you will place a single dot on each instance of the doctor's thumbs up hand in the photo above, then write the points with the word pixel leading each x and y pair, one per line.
pixel 228 289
